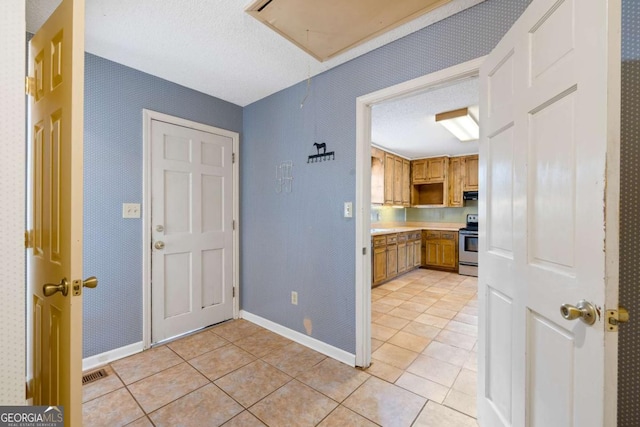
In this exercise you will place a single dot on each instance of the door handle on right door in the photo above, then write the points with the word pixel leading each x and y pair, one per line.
pixel 159 244
pixel 584 311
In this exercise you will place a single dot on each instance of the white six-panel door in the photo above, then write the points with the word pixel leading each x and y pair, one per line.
pixel 548 217
pixel 192 229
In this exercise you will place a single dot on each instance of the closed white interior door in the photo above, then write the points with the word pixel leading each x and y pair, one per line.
pixel 192 229
pixel 548 217
pixel 54 260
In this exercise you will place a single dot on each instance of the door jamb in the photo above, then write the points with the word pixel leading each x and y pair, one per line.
pixel 147 117
pixel 363 185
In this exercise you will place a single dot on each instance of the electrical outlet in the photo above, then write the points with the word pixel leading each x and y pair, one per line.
pixel 131 210
pixel 294 298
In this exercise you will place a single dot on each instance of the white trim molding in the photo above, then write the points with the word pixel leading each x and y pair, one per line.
pixel 147 117
pixel 101 359
pixel 363 186
pixel 300 338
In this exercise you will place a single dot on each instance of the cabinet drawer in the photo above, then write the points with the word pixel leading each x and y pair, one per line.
pixel 448 235
pixel 392 239
pixel 432 235
pixel 416 235
pixel 379 241
pixel 403 237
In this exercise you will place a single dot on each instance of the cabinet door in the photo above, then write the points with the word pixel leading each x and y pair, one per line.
pixel 377 176
pixel 455 181
pixel 448 253
pixel 392 261
pixel 436 169
pixel 389 165
pixel 410 255
pixel 471 173
pixel 432 249
pixel 402 257
pixel 406 182
pixel 419 171
pixel 379 264
pixel 417 252
pixel 397 181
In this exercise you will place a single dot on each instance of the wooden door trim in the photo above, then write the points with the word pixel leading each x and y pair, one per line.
pixel 147 117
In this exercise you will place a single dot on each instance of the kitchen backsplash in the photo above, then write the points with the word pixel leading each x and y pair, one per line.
pixel 442 214
pixel 388 214
pixel 449 215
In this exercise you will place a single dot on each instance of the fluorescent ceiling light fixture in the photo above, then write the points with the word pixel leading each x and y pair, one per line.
pixel 460 123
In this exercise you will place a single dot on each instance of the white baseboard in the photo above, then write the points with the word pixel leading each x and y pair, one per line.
pixel 300 338
pixel 111 355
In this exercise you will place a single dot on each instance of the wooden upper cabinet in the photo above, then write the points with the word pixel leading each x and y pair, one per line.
pixel 389 166
pixel 406 182
pixel 377 176
pixel 390 182
pixel 427 171
pixel 456 178
pixel 437 169
pixel 397 181
pixel 470 173
pixel 419 171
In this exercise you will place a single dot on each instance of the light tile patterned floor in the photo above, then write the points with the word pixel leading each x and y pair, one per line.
pixel 424 329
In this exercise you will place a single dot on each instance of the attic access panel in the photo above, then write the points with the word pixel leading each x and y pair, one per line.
pixel 326 28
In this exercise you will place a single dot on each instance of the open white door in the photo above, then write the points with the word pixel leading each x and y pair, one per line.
pixel 549 179
pixel 56 64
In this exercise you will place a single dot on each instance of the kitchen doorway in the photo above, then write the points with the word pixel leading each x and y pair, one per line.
pixel 364 106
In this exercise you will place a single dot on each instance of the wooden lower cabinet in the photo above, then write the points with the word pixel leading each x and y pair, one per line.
pixel 379 273
pixel 394 254
pixel 417 251
pixel 402 253
pixel 440 249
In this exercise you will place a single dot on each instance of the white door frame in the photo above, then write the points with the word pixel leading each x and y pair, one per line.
pixel 363 187
pixel 147 117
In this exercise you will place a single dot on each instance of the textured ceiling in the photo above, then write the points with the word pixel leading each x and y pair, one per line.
pixel 407 126
pixel 211 46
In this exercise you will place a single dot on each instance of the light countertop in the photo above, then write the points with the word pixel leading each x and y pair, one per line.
pixel 379 229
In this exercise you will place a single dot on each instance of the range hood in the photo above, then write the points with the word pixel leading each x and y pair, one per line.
pixel 469 195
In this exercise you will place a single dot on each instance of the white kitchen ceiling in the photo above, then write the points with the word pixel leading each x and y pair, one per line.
pixel 211 46
pixel 407 126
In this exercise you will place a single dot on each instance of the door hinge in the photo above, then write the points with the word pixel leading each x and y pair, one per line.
pixel 28 239
pixel 233 157
pixel 29 86
pixel 233 224
pixel 234 292
pixel 616 317
pixel 364 251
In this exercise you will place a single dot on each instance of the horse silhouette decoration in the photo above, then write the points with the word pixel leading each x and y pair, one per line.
pixel 319 146
pixel 321 156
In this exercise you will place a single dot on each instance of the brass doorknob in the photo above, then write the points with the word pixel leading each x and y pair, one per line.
pixel 584 311
pixel 159 245
pixel 90 282
pixel 50 288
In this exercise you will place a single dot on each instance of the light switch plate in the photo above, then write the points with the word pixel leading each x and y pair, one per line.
pixel 131 210
pixel 348 209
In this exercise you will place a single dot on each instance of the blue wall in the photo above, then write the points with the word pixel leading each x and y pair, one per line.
pixel 300 241
pixel 114 98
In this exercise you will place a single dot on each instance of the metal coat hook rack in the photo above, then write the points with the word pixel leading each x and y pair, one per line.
pixel 321 157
